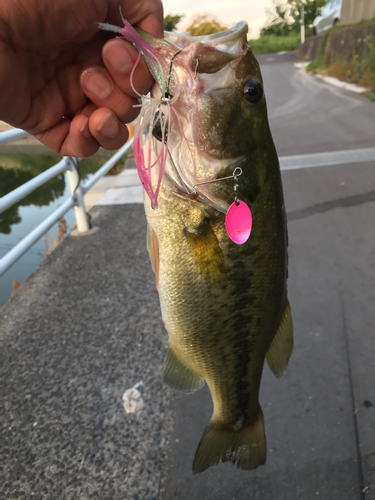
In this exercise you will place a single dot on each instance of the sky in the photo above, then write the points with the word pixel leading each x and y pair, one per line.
pixel 227 11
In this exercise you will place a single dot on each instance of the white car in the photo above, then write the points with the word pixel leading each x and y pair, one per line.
pixel 328 17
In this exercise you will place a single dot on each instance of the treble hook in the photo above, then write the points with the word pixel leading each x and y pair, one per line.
pixel 196 67
pixel 167 94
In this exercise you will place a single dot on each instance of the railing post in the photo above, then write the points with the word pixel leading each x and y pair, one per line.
pixel 74 178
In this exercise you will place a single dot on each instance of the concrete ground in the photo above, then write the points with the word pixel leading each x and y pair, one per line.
pixel 124 188
pixel 86 327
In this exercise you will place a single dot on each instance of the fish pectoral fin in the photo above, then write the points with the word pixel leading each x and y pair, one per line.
pixel 245 447
pixel 206 251
pixel 178 376
pixel 153 250
pixel 281 348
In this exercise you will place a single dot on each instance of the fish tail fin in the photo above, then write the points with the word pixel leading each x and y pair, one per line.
pixel 243 444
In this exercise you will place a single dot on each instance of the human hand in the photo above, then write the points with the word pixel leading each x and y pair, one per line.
pixel 59 83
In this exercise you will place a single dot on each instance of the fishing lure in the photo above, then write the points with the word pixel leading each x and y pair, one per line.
pixel 156 119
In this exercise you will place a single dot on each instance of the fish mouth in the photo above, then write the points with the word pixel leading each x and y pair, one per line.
pixel 226 42
pixel 206 54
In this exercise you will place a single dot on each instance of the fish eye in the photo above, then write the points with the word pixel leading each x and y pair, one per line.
pixel 253 91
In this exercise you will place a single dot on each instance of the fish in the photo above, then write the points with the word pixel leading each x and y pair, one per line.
pixel 224 305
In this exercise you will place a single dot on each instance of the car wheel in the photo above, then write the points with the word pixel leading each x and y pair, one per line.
pixel 314 31
pixel 336 22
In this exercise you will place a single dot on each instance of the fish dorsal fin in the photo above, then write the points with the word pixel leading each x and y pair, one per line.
pixel 178 376
pixel 281 348
pixel 153 250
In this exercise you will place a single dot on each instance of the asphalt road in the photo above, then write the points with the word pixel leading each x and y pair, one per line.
pixel 86 326
pixel 310 426
pixel 308 115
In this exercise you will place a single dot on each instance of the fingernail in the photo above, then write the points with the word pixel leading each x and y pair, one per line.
pixel 108 126
pixel 119 58
pixel 96 83
pixel 85 131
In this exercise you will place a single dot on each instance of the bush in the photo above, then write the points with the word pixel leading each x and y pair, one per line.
pixel 273 43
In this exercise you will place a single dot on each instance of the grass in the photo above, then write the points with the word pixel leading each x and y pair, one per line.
pixel 370 95
pixel 316 65
pixel 272 43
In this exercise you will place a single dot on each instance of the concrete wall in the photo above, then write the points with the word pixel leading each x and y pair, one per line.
pixel 349 42
pixel 353 11
pixel 311 48
pixel 343 43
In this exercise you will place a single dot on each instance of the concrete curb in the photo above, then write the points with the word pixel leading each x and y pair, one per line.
pixel 352 87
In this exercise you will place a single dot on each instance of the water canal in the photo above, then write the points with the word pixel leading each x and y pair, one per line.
pixel 19 220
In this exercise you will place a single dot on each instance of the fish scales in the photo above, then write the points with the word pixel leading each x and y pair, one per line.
pixel 224 305
pixel 223 317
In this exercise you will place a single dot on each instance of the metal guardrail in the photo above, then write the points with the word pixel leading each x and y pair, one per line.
pixel 70 165
pixel 12 135
pixel 66 164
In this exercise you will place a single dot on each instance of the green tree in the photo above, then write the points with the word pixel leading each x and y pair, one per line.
pixel 205 24
pixel 286 18
pixel 311 8
pixel 279 24
pixel 171 21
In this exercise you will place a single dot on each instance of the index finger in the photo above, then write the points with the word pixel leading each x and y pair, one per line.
pixel 120 58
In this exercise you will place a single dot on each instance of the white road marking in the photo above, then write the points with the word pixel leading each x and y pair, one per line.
pixel 131 190
pixel 342 157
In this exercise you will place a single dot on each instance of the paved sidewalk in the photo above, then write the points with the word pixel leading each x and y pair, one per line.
pixel 124 188
pixel 83 329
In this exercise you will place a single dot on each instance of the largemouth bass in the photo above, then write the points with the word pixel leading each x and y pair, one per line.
pixel 224 305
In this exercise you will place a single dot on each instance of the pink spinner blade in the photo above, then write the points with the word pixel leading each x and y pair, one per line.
pixel 238 222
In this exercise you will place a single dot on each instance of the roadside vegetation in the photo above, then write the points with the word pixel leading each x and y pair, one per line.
pixel 283 29
pixel 356 69
pixel 281 33
pixel 272 43
pixel 200 24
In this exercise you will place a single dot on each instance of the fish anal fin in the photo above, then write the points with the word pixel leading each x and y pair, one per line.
pixel 206 251
pixel 281 347
pixel 243 445
pixel 178 376
pixel 153 250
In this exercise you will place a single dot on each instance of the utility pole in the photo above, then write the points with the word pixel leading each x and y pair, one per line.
pixel 302 20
